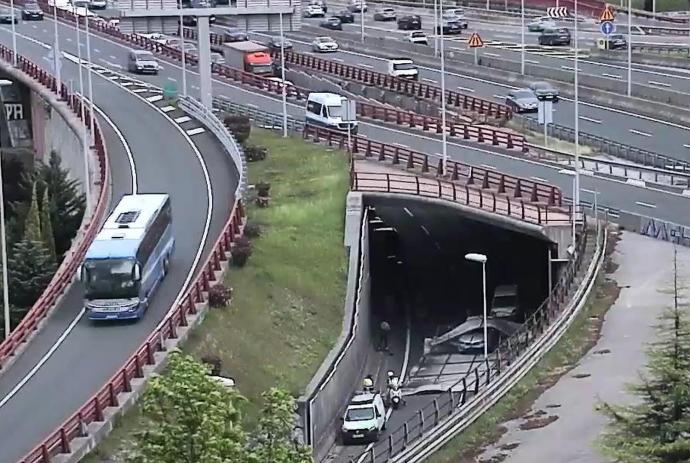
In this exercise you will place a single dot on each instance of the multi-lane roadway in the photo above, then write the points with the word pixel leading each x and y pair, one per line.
pixel 149 153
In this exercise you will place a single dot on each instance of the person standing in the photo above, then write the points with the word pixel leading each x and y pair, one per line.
pixel 385 329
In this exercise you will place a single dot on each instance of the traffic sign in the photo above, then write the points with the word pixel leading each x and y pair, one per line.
pixel 475 41
pixel 557 12
pixel 606 15
pixel 608 28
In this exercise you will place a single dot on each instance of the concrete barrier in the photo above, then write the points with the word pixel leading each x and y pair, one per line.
pixel 655 228
pixel 342 370
pixel 641 58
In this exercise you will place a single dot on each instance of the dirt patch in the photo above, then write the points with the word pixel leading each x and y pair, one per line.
pixel 536 423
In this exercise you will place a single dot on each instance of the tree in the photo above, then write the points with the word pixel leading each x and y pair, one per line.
pixel 67 203
pixel 273 437
pixel 47 225
pixel 32 226
pixel 30 270
pixel 656 428
pixel 192 418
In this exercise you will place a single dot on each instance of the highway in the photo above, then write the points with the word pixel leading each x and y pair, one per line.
pixel 72 358
pixel 616 195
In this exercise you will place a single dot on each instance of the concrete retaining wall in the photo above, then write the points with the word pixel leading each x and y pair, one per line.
pixel 655 228
pixel 342 370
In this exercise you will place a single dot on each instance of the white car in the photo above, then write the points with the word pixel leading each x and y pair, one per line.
pixel 314 11
pixel 158 38
pixel 541 23
pixel 280 81
pixel 99 4
pixel 324 45
pixel 364 419
pixel 217 58
pixel 417 37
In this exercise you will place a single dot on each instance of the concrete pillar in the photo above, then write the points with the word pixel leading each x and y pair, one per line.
pixel 204 44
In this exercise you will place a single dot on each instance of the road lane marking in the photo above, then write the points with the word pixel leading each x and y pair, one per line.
pixel 487 166
pixel 686 146
pixel 408 212
pixel 171 79
pixel 429 80
pixel 637 132
pixel 366 65
pixel 155 98
pixel 465 89
pixel 539 179
pixel 613 76
pixel 96 50
pixel 486 53
pixel 424 229
pixel 196 131
pixel 531 61
pixel 339 60
pixel 183 119
pixel 167 109
pixel 112 57
pixel 660 84
pixel 567 68
pixel 589 119
pixel 640 203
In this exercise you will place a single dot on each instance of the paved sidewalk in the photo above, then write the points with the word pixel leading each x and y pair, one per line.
pixel 645 268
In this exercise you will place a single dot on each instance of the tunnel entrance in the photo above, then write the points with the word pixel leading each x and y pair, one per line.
pixel 425 287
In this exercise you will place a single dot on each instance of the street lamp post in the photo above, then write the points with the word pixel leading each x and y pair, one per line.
pixel 436 27
pixel 14 34
pixel 481 258
pixel 56 49
pixel 629 47
pixel 522 36
pixel 3 244
pixel 361 14
pixel 444 135
pixel 282 76
pixel 576 185
pixel 184 58
pixel 85 137
pixel 90 81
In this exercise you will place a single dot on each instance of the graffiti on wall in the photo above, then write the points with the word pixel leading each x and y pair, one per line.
pixel 665 231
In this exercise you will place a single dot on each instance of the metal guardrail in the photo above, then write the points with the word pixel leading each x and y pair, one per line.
pixel 64 275
pixel 204 115
pixel 661 49
pixel 466 394
pixel 94 409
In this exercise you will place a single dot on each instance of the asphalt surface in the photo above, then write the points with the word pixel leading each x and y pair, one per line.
pixel 644 273
pixel 42 398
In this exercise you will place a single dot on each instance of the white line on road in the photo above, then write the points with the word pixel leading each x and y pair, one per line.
pixel 112 57
pixel 567 68
pixel 613 76
pixel 172 79
pixel 183 119
pixel 589 119
pixel 465 89
pixel 167 109
pixel 408 212
pixel 531 61
pixel 490 54
pixel 429 80
pixel 155 98
pixel 196 131
pixel 339 60
pixel 637 132
pixel 686 146
pixel 251 105
pixel 500 97
pixel 539 179
pixel 424 229
pixel 366 65
pixel 487 166
pixel 640 203
pixel 401 145
pixel 660 84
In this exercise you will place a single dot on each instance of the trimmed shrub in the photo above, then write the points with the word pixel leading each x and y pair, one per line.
pixel 252 230
pixel 219 295
pixel 240 126
pixel 255 153
pixel 241 252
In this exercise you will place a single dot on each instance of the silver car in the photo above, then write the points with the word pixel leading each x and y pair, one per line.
pixel 384 14
pixel 522 101
pixel 544 91
pixel 324 45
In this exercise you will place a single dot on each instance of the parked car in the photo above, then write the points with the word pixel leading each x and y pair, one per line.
pixel 332 23
pixel 274 43
pixel 417 37
pixel 31 11
pixel 384 14
pixel 314 11
pixel 142 62
pixel 522 100
pixel 560 36
pixel 324 44
pixel 8 17
pixel 541 23
pixel 345 16
pixel 544 91
pixel 450 28
pixel 410 22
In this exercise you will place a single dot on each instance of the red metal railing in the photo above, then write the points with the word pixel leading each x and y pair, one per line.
pixel 528 190
pixel 59 441
pixel 65 273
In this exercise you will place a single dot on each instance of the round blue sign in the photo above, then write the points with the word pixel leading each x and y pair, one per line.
pixel 608 28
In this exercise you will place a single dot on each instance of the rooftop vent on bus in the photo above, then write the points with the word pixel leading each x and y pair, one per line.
pixel 125 218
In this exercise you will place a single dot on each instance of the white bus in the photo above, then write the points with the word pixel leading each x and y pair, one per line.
pixel 129 258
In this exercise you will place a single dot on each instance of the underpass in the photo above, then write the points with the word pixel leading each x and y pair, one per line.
pixel 71 358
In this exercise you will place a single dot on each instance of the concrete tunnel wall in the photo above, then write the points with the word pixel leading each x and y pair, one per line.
pixel 342 371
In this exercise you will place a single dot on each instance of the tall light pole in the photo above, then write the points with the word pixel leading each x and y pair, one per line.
pixel 522 35
pixel 481 258
pixel 436 27
pixel 282 76
pixel 576 185
pixel 92 117
pixel 85 137
pixel 56 48
pixel 629 47
pixel 3 244
pixel 184 71
pixel 14 34
pixel 444 135
pixel 361 14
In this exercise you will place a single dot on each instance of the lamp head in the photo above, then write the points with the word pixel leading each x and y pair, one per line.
pixel 475 257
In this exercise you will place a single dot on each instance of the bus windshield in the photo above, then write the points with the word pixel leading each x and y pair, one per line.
pixel 110 279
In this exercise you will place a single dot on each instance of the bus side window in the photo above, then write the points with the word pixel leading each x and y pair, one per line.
pixel 154 235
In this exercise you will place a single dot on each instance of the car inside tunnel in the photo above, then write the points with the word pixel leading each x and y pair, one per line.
pixel 423 285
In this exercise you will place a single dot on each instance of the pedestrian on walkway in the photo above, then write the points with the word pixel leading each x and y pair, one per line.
pixel 385 329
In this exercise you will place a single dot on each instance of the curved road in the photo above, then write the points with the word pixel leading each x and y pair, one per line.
pixel 72 358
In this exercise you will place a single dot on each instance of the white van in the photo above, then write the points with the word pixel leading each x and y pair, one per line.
pixel 326 110
pixel 364 419
pixel 403 68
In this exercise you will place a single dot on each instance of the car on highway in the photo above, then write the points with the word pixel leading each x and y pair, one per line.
pixel 345 16
pixel 98 4
pixel 522 100
pixel 617 41
pixel 233 34
pixel 358 6
pixel 217 58
pixel 385 14
pixel 453 17
pixel 449 28
pixel 410 22
pixel 417 37
pixel 544 91
pixel 32 12
pixel 190 21
pixel 142 62
pixel 8 17
pixel 324 44
pixel 327 110
pixel 274 43
pixel 541 23
pixel 280 81
pixel 156 37
pixel 332 23
pixel 403 68
pixel 559 36
pixel 314 11
pixel 320 3
pixel 364 418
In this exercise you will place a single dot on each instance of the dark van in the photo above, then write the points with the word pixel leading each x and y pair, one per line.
pixel 410 23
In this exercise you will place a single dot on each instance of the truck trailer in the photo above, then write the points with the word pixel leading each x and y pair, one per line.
pixel 250 57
